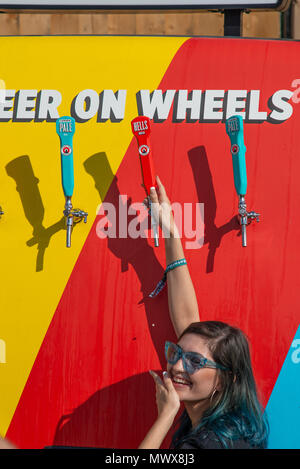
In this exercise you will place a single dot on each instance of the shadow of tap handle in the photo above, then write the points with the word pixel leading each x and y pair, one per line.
pixel 21 171
pixel 105 181
pixel 124 265
pixel 41 238
pixel 123 243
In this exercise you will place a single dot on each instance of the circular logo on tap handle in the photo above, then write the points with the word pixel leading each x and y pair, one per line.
pixel 144 150
pixel 234 149
pixel 66 150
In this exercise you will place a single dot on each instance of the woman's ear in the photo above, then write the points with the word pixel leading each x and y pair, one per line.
pixel 218 387
pixel 218 384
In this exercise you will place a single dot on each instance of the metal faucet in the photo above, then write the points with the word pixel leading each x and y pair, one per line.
pixel 73 216
pixel 154 224
pixel 245 218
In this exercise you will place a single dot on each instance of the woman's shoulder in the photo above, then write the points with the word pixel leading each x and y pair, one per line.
pixel 207 439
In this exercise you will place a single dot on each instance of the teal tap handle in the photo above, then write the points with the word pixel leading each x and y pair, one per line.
pixel 65 128
pixel 235 131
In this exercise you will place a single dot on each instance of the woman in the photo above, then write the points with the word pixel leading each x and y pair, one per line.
pixel 209 369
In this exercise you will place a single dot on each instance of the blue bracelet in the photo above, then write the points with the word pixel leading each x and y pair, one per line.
pixel 161 284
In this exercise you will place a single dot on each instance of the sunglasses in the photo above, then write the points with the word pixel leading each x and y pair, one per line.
pixel 191 361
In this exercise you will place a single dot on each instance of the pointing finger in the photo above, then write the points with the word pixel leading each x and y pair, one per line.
pixel 153 195
pixel 162 195
pixel 168 381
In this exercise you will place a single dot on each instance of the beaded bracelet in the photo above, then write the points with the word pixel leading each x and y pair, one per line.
pixel 161 284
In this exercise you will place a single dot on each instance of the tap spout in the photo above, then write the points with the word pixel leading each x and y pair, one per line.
pixel 69 220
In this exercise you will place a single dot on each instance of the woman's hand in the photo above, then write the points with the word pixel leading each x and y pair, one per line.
pixel 168 405
pixel 167 399
pixel 162 210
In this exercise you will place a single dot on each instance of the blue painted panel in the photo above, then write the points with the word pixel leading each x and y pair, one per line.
pixel 283 408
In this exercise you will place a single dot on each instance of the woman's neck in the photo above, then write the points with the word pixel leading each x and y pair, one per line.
pixel 195 410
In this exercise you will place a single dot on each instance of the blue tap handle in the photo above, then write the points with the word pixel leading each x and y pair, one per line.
pixel 235 130
pixel 65 128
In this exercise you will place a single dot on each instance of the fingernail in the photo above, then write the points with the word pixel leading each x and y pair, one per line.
pixel 165 374
pixel 152 189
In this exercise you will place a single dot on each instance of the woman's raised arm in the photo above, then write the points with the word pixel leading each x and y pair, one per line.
pixel 183 306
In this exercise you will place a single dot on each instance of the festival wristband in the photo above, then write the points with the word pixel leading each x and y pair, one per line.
pixel 161 284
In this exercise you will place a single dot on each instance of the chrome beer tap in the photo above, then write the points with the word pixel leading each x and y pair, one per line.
pixel 73 216
pixel 65 128
pixel 235 131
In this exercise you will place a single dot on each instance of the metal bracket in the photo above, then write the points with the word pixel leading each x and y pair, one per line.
pixel 233 22
pixel 77 215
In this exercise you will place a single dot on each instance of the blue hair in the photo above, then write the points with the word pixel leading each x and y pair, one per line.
pixel 235 412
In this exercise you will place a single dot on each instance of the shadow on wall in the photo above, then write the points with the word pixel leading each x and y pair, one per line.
pixel 206 194
pixel 91 426
pixel 20 169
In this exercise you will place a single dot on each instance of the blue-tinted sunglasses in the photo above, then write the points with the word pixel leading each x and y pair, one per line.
pixel 191 361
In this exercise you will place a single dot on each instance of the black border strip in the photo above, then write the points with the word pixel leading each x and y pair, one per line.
pixel 277 5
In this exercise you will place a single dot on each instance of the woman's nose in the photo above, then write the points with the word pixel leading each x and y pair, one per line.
pixel 178 366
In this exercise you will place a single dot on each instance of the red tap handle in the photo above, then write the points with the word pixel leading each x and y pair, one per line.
pixel 141 130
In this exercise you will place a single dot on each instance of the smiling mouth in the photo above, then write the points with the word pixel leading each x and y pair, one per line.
pixel 181 381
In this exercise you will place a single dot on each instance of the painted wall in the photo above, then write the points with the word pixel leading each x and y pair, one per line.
pixel 79 330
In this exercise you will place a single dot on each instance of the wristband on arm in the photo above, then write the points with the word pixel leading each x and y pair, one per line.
pixel 161 284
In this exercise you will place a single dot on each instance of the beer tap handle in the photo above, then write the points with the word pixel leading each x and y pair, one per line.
pixel 141 130
pixel 65 128
pixel 235 131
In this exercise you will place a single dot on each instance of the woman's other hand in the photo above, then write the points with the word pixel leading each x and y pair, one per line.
pixel 167 399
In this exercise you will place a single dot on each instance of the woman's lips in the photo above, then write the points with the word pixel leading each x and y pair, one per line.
pixel 180 383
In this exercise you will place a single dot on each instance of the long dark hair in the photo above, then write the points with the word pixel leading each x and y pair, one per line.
pixel 235 412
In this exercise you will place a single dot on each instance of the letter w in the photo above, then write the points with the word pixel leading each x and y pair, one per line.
pixel 156 105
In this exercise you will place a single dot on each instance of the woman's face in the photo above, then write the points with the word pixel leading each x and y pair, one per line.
pixel 199 385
